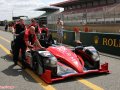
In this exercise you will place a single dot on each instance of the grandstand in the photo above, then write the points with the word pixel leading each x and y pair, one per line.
pixel 42 19
pixel 98 15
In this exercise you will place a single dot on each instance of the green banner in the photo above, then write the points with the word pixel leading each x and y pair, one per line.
pixel 68 36
pixel 104 42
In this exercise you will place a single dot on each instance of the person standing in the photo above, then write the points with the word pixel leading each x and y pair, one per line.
pixel 6 25
pixel 23 40
pixel 60 30
pixel 19 27
pixel 44 30
pixel 37 27
pixel 16 30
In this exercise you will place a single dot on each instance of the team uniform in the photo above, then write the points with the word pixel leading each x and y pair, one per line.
pixel 20 44
pixel 37 30
pixel 44 32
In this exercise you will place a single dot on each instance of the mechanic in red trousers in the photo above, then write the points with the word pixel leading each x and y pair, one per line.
pixel 23 40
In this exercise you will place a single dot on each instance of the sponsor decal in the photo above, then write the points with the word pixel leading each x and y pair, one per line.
pixel 111 42
pixel 65 36
pixel 96 39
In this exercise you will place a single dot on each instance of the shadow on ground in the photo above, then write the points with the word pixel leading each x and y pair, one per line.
pixel 15 71
pixel 7 58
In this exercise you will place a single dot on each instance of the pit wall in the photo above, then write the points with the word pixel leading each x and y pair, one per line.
pixel 103 42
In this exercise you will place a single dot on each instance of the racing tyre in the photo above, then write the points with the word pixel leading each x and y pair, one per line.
pixel 37 64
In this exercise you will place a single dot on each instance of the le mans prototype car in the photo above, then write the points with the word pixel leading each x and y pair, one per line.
pixel 58 62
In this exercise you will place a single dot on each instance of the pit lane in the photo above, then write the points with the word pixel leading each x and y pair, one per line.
pixel 22 80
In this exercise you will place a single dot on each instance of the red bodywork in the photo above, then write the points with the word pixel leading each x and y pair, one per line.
pixel 67 56
pixel 73 61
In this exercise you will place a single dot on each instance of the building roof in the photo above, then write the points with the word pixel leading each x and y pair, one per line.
pixel 48 9
pixel 69 2
pixel 45 14
pixel 65 3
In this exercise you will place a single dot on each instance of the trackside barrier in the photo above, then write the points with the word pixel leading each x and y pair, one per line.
pixel 103 42
pixel 68 36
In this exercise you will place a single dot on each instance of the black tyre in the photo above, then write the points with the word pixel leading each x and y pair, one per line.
pixel 37 64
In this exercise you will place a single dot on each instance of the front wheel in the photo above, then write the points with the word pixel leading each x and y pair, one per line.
pixel 37 64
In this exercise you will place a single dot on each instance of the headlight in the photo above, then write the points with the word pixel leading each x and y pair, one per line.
pixel 53 61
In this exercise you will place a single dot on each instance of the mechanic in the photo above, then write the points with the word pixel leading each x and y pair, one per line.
pixel 50 39
pixel 78 43
pixel 37 27
pixel 44 30
pixel 23 40
pixel 19 27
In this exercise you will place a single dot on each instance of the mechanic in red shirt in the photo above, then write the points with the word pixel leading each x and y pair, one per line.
pixel 44 31
pixel 23 40
pixel 37 27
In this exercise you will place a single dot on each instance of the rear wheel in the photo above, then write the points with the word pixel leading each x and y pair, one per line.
pixel 37 64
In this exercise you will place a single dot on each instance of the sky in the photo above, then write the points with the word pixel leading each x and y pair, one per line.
pixel 9 8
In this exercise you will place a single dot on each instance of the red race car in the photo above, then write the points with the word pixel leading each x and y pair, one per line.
pixel 59 62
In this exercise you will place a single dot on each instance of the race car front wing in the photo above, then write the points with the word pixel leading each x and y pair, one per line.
pixel 46 76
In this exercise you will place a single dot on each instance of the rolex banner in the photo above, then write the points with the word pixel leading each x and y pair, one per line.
pixel 104 42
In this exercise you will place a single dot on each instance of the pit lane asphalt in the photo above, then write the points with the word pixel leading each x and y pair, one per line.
pixel 21 80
